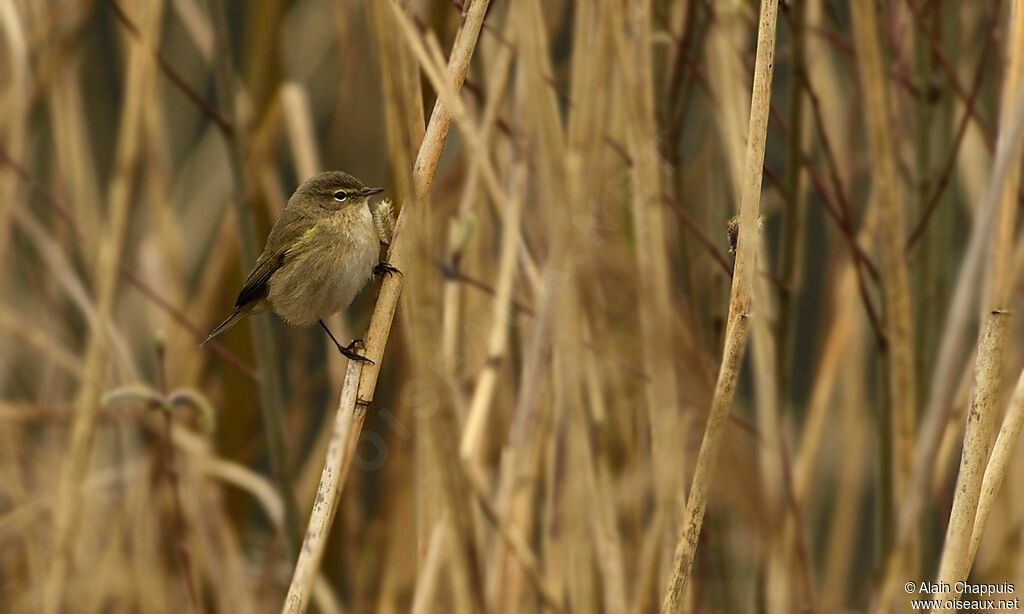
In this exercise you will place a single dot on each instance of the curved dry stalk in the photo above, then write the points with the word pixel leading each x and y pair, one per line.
pixel 360 380
pixel 739 304
pixel 956 562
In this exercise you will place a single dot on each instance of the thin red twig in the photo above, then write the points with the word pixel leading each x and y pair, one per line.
pixel 947 171
pixel 173 74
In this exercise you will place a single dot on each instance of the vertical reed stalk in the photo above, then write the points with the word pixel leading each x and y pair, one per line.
pixel 403 110
pixel 653 268
pixel 76 462
pixel 764 354
pixel 424 169
pixel 739 306
pixel 14 99
pixel 271 402
pixel 404 122
pixel 171 473
pixel 794 232
pixel 957 554
pixel 423 599
pixel 360 382
pixel 486 381
pixel 926 274
pixel 998 465
pixel 895 282
pixel 944 377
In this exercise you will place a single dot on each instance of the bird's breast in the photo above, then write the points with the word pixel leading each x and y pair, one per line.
pixel 324 276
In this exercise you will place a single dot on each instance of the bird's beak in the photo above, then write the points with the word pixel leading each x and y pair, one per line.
pixel 372 191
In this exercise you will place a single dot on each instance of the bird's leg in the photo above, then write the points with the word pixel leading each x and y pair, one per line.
pixel 348 351
pixel 385 268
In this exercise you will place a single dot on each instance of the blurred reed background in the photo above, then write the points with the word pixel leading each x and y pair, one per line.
pixel 542 402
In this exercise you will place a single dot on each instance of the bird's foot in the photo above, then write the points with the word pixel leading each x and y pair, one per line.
pixel 384 268
pixel 350 351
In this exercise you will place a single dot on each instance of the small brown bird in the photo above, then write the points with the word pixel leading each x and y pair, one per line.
pixel 319 255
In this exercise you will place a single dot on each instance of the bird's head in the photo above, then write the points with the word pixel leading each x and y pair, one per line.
pixel 335 190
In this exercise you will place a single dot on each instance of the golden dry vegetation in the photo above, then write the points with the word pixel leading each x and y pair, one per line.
pixel 705 306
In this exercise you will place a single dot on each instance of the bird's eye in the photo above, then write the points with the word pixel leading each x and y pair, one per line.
pixel 340 195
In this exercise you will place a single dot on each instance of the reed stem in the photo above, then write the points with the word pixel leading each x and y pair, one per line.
pixel 360 381
pixel 737 324
pixel 267 353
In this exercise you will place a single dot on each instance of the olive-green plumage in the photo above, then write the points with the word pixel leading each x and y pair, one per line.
pixel 319 255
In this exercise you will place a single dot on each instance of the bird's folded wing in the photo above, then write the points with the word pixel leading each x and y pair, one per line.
pixel 255 287
pixel 292 229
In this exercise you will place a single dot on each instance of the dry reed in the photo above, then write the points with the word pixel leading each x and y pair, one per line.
pixel 737 324
pixel 958 552
pixel 559 417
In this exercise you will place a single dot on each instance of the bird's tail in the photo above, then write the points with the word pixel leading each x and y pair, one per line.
pixel 226 325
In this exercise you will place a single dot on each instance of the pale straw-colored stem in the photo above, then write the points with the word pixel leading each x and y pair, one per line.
pixel 794 231
pixel 360 380
pixel 403 107
pixel 895 283
pixel 426 586
pixel 423 177
pixel 944 379
pixel 483 393
pixel 296 110
pixel 271 400
pixel 998 464
pixel 956 562
pixel 324 506
pixel 514 539
pixel 739 305
pixel 14 99
pixel 651 249
pixel 487 380
pixel 957 555
pixel 76 463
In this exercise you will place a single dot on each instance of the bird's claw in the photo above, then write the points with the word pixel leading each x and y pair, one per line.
pixel 350 351
pixel 384 268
